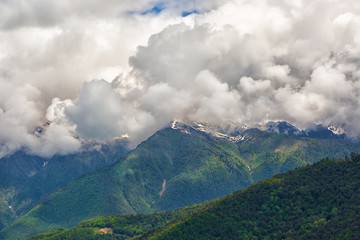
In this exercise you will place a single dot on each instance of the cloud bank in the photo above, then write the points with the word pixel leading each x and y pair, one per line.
pixel 241 61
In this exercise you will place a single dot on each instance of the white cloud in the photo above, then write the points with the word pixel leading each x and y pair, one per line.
pixel 240 60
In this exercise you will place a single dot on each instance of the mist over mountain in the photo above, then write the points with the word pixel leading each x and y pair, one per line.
pixel 220 61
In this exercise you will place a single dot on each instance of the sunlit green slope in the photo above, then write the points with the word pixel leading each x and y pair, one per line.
pixel 321 201
pixel 170 170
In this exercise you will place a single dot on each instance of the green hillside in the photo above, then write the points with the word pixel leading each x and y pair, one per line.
pixel 121 226
pixel 270 153
pixel 170 170
pixel 319 201
pixel 315 202
pixel 14 171
pixel 191 170
pixel 25 179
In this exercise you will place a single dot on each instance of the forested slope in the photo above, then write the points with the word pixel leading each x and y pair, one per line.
pixel 320 201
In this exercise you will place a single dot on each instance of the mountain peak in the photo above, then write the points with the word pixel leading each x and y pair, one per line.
pixel 283 127
pixel 234 132
pixel 228 131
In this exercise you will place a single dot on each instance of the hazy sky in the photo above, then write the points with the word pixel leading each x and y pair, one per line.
pixel 102 69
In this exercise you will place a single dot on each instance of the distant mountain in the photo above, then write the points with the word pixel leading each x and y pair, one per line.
pixel 175 168
pixel 25 179
pixel 319 131
pixel 278 148
pixel 315 131
pixel 319 201
pixel 285 128
pixel 233 131
pixel 227 131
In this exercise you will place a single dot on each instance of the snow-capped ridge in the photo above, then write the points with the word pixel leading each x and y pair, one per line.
pixel 227 131
pixel 236 132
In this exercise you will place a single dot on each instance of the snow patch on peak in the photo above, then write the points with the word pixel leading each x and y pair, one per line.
pixel 337 130
pixel 235 132
pixel 228 131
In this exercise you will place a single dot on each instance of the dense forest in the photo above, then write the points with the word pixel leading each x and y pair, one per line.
pixel 319 201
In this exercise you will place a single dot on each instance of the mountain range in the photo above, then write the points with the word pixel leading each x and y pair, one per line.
pixel 176 167
pixel 318 201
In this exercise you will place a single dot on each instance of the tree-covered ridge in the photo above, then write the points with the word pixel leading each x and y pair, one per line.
pixel 116 227
pixel 320 201
pixel 120 227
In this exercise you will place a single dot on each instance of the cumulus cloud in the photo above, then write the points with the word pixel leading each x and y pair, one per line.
pixel 231 60
pixel 49 49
